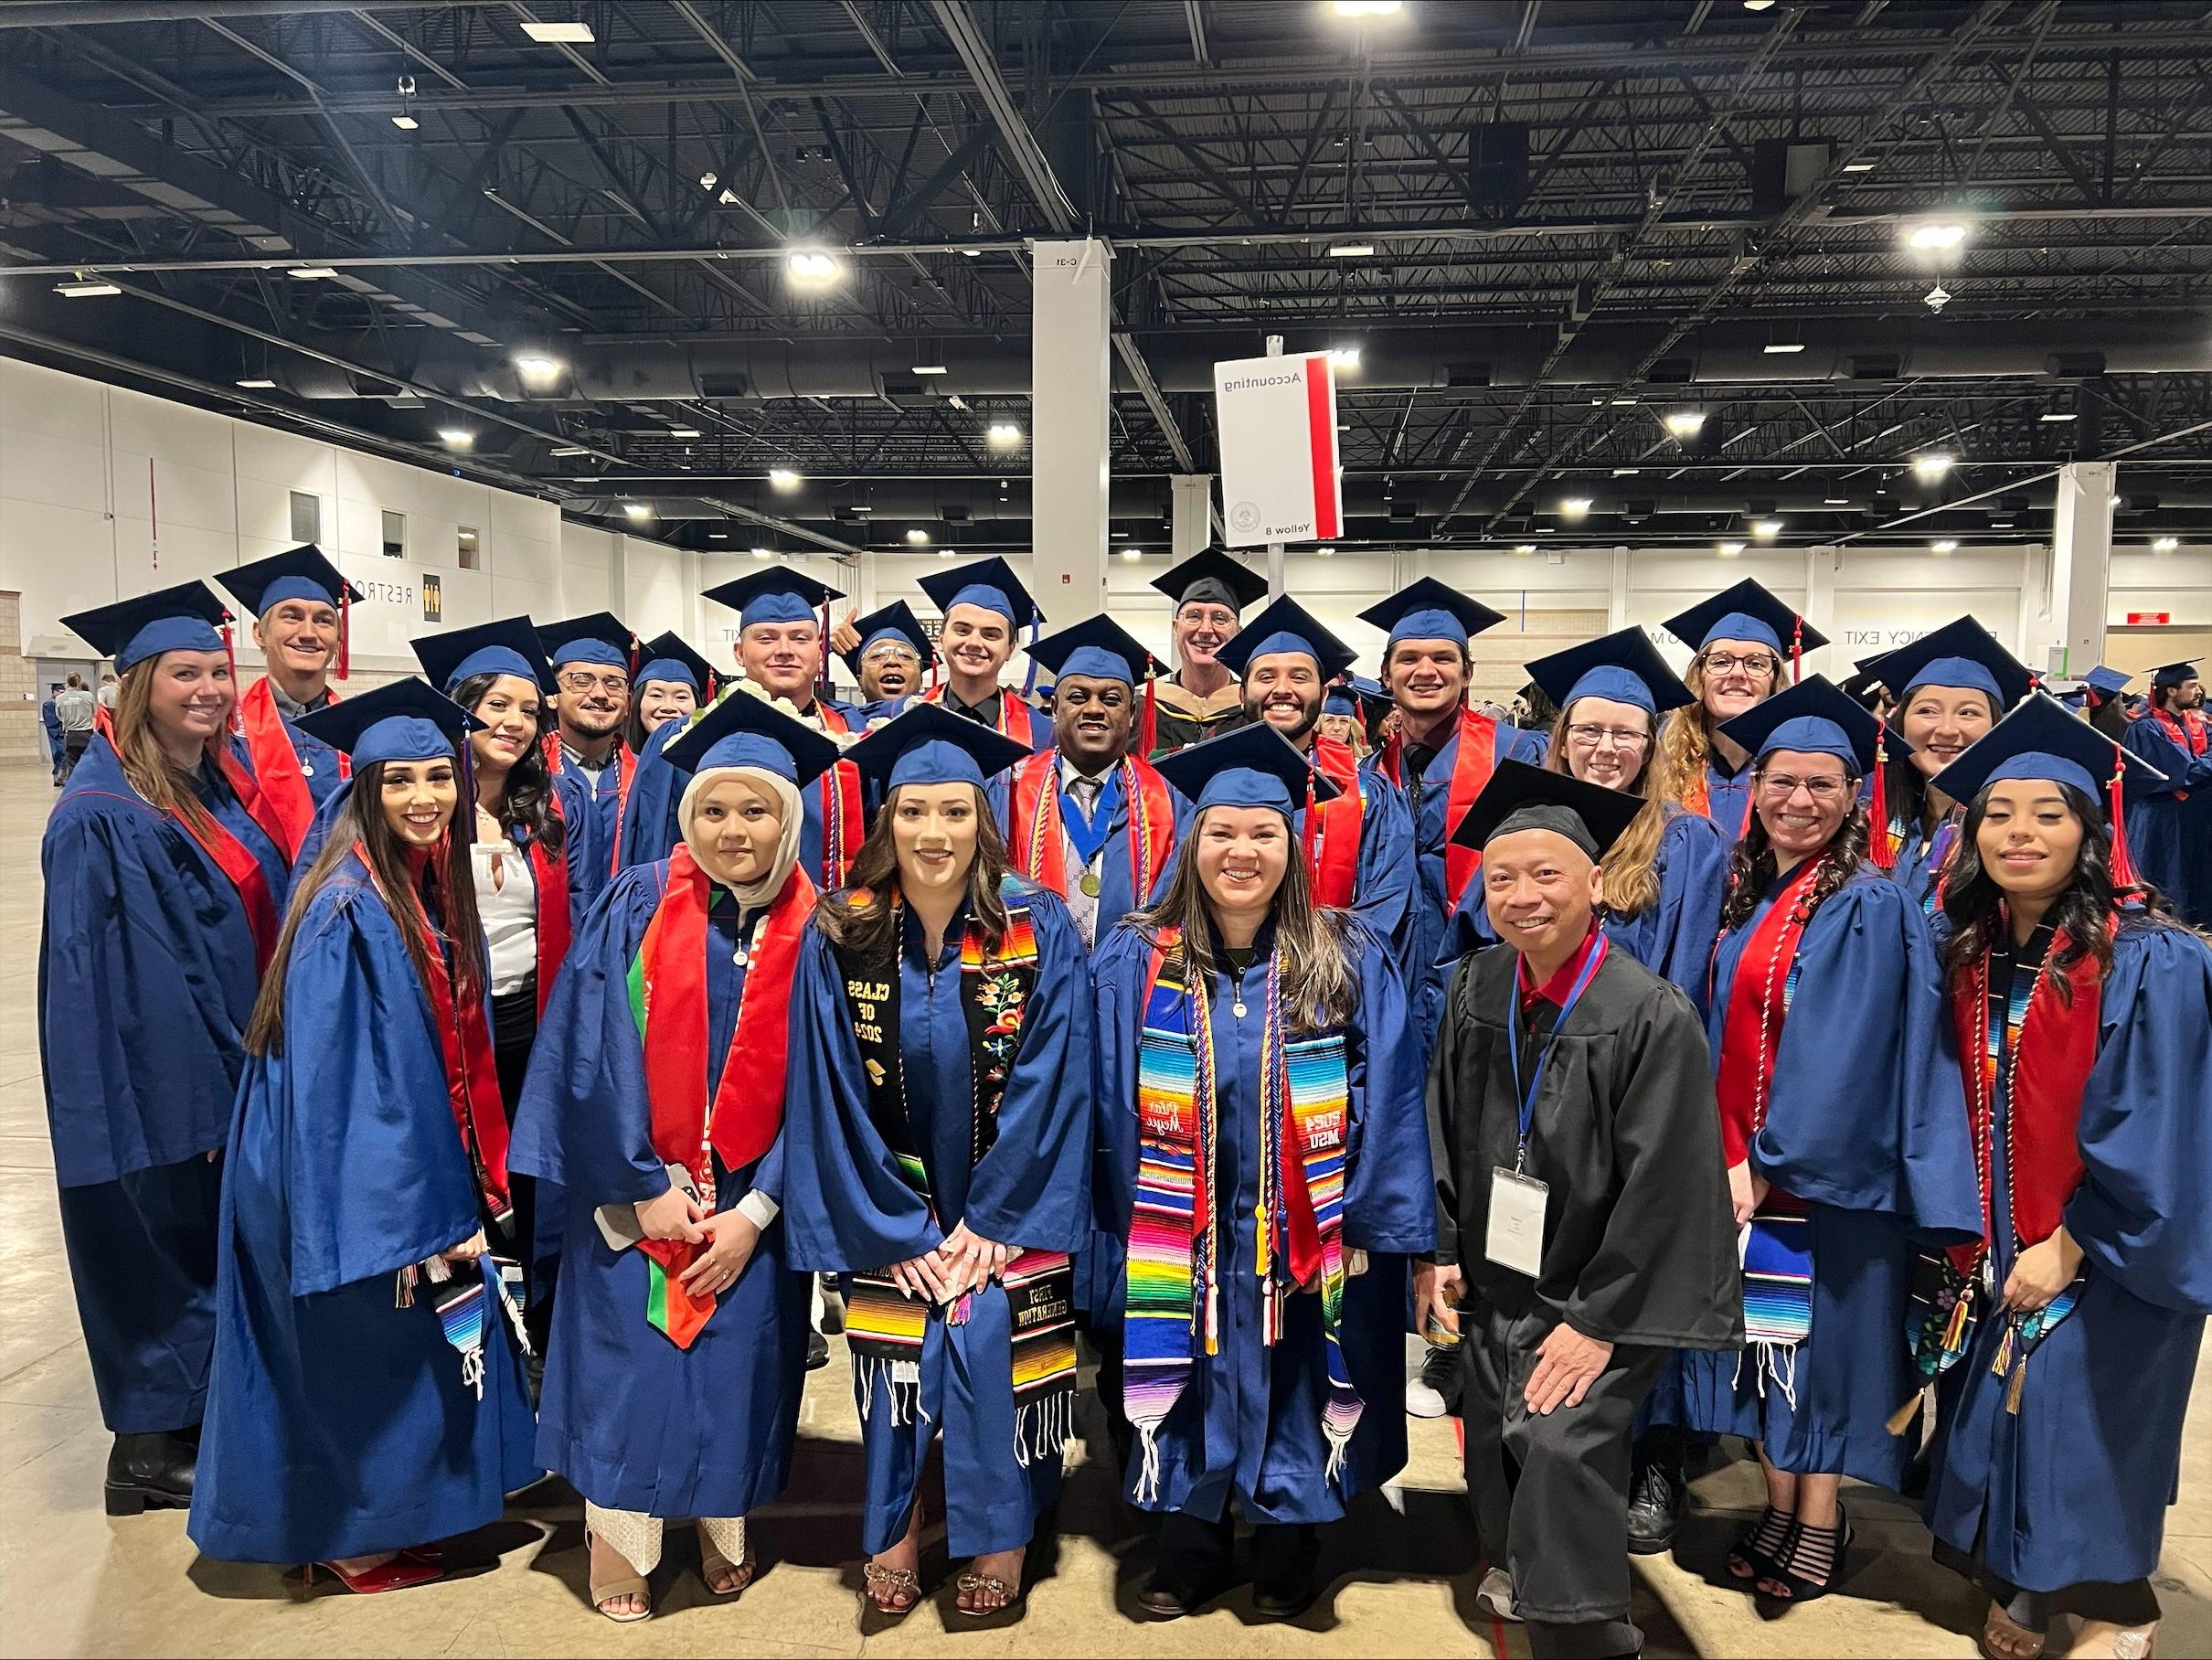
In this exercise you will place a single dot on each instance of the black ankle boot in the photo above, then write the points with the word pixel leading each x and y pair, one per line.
pixel 1284 1556
pixel 1655 1494
pixel 151 1471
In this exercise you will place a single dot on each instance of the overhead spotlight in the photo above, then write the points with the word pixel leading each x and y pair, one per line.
pixel 1574 507
pixel 1859 167
pixel 571 449
pixel 1948 544
pixel 956 401
pixel 1524 548
pixel 685 432
pixel 763 553
pixel 2049 416
pixel 971 253
pixel 1729 550
pixel 1836 501
pixel 1367 8
pixel 948 553
pixel 537 366
pixel 558 33
pixel 259 383
pixel 1622 403
pixel 406 124
pixel 1324 552
pixel 1350 250
pixel 1345 356
pixel 1004 434
pixel 456 438
pixel 717 535
pixel 783 478
pixel 85 288
pixel 810 267
pixel 637 510
pixel 930 368
pixel 2164 544
pixel 1783 348
pixel 1132 554
pixel 1935 234
pixel 1933 465
pixel 1758 5
pixel 1936 298
pixel 708 181
pixel 1685 423
pixel 918 536
pixel 1766 528
pixel 1626 472
pixel 308 273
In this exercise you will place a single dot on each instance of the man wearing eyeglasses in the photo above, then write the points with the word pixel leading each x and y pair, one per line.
pixel 592 767
pixel 1202 699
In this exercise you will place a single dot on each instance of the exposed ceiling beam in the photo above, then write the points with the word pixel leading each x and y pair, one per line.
pixel 393 37
pixel 1021 148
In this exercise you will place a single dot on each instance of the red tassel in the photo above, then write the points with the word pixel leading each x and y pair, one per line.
pixel 1878 805
pixel 345 629
pixel 1312 817
pixel 2124 874
pixel 1797 652
pixel 1148 729
pixel 822 680
pixel 231 658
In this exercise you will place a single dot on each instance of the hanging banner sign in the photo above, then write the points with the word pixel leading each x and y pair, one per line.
pixel 2150 619
pixel 1277 421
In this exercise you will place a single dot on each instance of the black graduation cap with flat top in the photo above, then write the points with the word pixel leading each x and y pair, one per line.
pixel 745 730
pixel 1521 797
pixel 1214 578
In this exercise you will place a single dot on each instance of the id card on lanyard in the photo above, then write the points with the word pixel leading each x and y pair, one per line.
pixel 1514 1238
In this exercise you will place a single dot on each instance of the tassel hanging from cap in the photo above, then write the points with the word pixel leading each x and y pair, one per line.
pixel 230 658
pixel 822 677
pixel 1313 822
pixel 1878 805
pixel 345 628
pixel 1797 650
pixel 2125 876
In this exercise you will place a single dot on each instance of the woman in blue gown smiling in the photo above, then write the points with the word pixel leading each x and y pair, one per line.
pixel 368 1395
pixel 655 1101
pixel 937 1149
pixel 2079 1015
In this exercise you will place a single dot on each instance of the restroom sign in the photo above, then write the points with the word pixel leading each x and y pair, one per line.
pixel 1280 471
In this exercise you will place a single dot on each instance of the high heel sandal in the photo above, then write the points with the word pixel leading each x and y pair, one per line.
pixel 1796 1587
pixel 1759 1546
pixel 405 1568
pixel 903 1582
pixel 604 1591
pixel 712 1563
pixel 972 1582
pixel 1997 1624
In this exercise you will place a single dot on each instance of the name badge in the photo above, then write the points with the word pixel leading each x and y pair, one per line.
pixel 1515 1236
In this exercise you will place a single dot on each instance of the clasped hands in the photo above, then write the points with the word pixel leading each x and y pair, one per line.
pixel 675 1215
pixel 963 1262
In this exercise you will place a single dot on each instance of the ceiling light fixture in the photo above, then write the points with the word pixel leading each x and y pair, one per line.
pixel 918 536
pixel 1524 548
pixel 930 368
pixel 1132 554
pixel 1367 8
pixel 1783 348
pixel 783 478
pixel 1622 403
pixel 763 553
pixel 85 288
pixel 2049 416
pixel 1003 432
pixel 1949 544
pixel 1350 250
pixel 558 33
pixel 1626 472
pixel 685 432
pixel 1767 527
pixel 1836 501
pixel 708 181
pixel 717 535
pixel 2166 544
pixel 1685 423
pixel 1933 465
pixel 812 267
pixel 637 510
pixel 1729 550
pixel 1758 5
pixel 1935 234
pixel 571 449
pixel 1345 356
pixel 406 124
pixel 308 273
pixel 259 383
pixel 1575 506
pixel 457 438
pixel 537 366
pixel 1859 167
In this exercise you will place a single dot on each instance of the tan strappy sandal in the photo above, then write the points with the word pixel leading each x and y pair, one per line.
pixel 713 1564
pixel 971 1583
pixel 604 1591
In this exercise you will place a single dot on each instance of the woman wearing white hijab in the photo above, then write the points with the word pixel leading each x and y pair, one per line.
pixel 655 1100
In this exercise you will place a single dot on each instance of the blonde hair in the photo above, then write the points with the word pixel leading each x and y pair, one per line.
pixel 1685 737
pixel 145 765
pixel 1632 864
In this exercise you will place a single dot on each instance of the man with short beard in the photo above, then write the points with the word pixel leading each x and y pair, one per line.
pixel 890 650
pixel 986 607
pixel 592 768
pixel 1089 818
pixel 1359 847
pixel 2170 823
pixel 1202 697
pixel 298 601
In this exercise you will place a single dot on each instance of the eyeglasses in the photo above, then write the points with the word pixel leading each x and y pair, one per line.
pixel 1621 737
pixel 891 653
pixel 1727 663
pixel 1781 786
pixel 582 680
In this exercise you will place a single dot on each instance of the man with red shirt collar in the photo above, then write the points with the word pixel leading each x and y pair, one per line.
pixel 1582 1210
pixel 2170 823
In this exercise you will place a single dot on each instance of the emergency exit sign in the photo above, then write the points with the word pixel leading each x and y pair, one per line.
pixel 2149 619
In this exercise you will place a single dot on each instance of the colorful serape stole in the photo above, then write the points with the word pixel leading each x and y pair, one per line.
pixel 1777 1292
pixel 464 1303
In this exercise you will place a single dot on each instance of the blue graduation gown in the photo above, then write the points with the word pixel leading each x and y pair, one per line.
pixel 1867 1125
pixel 1384 886
pixel 650 831
pixel 1249 1423
pixel 146 981
pixel 1727 797
pixel 1673 937
pixel 1917 867
pixel 847 1210
pixel 1116 877
pixel 339 1424
pixel 630 1420
pixel 589 805
pixel 2075 1486
pixel 2169 825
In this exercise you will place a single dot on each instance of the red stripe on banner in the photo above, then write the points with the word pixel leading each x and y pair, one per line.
pixel 1321 445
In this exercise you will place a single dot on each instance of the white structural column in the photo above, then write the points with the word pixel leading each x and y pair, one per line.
pixel 2082 570
pixel 1820 605
pixel 1193 509
pixel 1070 395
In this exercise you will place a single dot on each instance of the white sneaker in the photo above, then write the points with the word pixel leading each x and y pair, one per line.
pixel 1422 1400
pixel 1496 1594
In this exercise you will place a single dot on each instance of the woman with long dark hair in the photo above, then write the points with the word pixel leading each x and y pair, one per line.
pixel 1248 1033
pixel 1844 1136
pixel 1741 643
pixel 938 1141
pixel 1951 685
pixel 368 1396
pixel 656 1105
pixel 2066 1334
pixel 164 878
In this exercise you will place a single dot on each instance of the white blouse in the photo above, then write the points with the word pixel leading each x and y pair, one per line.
pixel 507 901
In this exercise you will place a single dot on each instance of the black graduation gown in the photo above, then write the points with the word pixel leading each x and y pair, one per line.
pixel 1638 1250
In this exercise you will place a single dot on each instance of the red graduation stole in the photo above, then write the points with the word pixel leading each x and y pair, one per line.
pixel 2044 1096
pixel 276 763
pixel 1034 830
pixel 669 999
pixel 2190 732
pixel 464 1043
pixel 1476 760
pixel 1014 715
pixel 1332 827
pixel 550 872
pixel 843 818
pixel 1758 1001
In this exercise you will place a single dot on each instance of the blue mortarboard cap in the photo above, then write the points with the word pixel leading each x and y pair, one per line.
pixel 1340 699
pixel 779 594
pixel 1746 612
pixel 1814 716
pixel 2040 740
pixel 990 583
pixel 1098 646
pixel 179 619
pixel 2173 673
pixel 1521 797
pixel 927 744
pixel 599 638
pixel 667 657
pixel 1253 766
pixel 743 731
pixel 1427 609
pixel 1960 653
pixel 509 646
pixel 1286 627
pixel 299 573
pixel 1624 666
pixel 2107 683
pixel 1213 576
pixel 402 720
pixel 896 621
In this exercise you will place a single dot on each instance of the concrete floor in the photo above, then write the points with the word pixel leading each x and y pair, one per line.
pixel 74 1583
